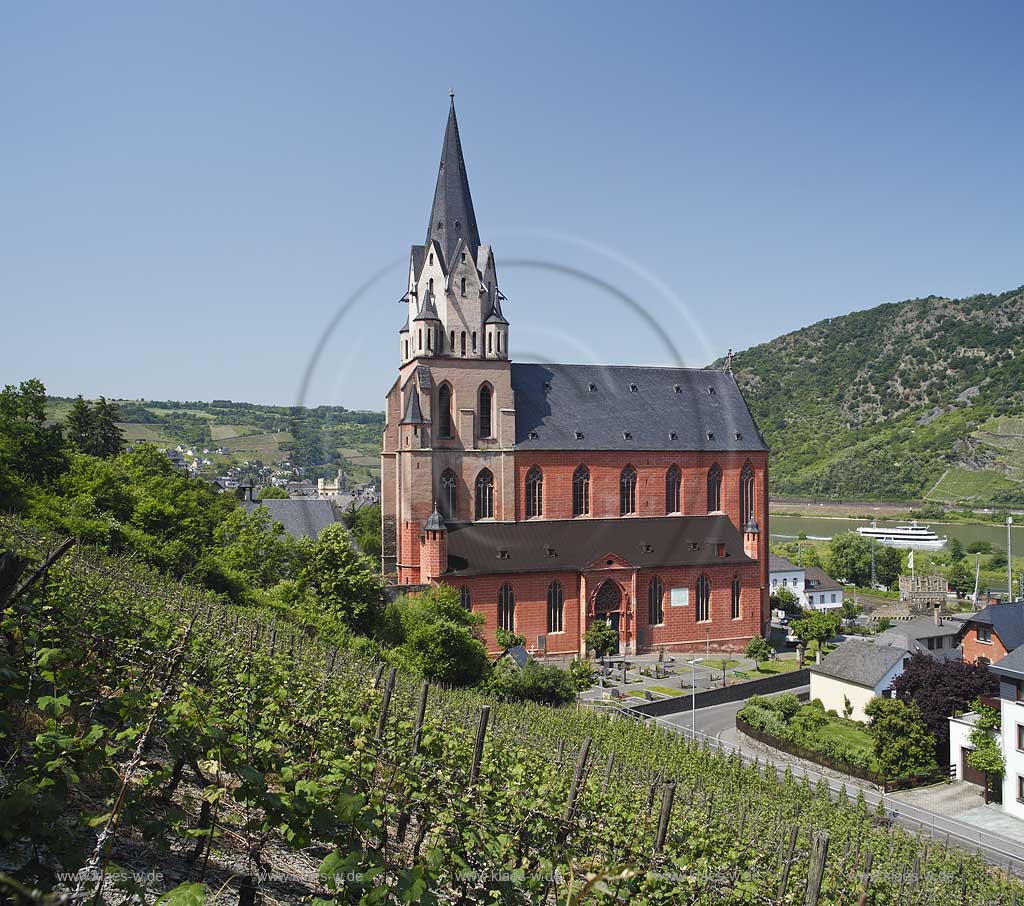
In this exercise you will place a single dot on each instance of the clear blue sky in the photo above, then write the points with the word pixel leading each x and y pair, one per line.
pixel 188 191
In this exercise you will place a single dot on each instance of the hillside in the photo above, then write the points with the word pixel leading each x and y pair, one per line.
pixel 922 399
pixel 320 439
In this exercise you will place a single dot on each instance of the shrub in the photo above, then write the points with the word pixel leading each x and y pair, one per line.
pixel 787 705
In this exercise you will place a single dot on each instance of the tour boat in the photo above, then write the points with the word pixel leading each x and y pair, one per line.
pixel 917 536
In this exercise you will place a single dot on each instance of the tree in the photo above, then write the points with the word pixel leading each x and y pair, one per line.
pixel 888 565
pixel 534 682
pixel 93 428
pixel 940 689
pixel 602 637
pixel 583 674
pixel 80 425
pixel 344 582
pixel 956 550
pixel 758 650
pixel 783 599
pixel 987 756
pixel 851 558
pixel 851 610
pixel 31 452
pixel 436 636
pixel 960 578
pixel 903 745
pixel 507 639
pixel 272 492
pixel 256 548
pixel 816 625
pixel 979 547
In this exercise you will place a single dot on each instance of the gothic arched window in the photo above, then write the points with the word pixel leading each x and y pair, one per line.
pixel 703 599
pixel 507 608
pixel 556 610
pixel 534 493
pixel 464 596
pixel 485 495
pixel 746 495
pixel 462 343
pixel 444 411
pixel 627 491
pixel 736 589
pixel 655 602
pixel 463 286
pixel 485 411
pixel 673 484
pixel 714 489
pixel 448 494
pixel 474 341
pixel 581 491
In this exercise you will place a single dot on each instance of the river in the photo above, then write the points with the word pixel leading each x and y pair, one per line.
pixel 784 527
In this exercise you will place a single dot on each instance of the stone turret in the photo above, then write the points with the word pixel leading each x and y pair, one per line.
pixel 433 547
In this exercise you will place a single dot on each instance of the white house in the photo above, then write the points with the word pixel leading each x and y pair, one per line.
pixel 813 587
pixel 1010 671
pixel 856 672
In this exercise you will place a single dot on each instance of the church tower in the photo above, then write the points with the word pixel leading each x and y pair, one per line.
pixel 451 412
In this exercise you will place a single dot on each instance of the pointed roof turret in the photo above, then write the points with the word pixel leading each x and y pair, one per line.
pixel 427 312
pixel 452 217
pixel 495 317
pixel 435 522
pixel 413 413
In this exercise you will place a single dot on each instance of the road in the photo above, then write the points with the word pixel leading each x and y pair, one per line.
pixel 717 725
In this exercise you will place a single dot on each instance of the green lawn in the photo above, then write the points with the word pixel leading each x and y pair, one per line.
pixel 855 736
pixel 664 690
pixel 783 665
pixel 719 663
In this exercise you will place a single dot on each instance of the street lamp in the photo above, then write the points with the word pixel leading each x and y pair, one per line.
pixel 693 693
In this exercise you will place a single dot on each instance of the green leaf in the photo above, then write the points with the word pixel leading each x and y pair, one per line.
pixel 184 895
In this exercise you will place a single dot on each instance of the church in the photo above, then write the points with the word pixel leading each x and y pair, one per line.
pixel 552 496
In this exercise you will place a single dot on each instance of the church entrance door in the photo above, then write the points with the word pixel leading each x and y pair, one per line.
pixel 613 618
pixel 608 606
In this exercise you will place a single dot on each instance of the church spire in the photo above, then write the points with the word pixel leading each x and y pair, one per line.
pixel 452 217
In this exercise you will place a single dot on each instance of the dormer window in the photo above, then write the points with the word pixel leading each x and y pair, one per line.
pixel 633 388
pixel 503 554
pixel 458 225
pixel 579 435
pixel 711 435
pixel 711 391
pixel 591 387
pixel 626 435
pixel 695 545
pixel 547 387
pixel 533 435
pixel 676 388
pixel 739 435
pixel 550 551
pixel 647 548
pixel 672 435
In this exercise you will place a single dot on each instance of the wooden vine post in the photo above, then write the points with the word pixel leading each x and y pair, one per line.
pixel 421 712
pixel 389 688
pixel 667 798
pixel 816 870
pixel 478 748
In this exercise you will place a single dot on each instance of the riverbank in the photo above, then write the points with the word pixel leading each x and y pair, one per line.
pixel 889 512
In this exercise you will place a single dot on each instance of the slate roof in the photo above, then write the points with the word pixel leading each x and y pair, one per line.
pixel 1012 665
pixel 816 579
pixel 453 205
pixel 427 310
pixel 575 544
pixel 861 662
pixel 518 655
pixel 908 633
pixel 302 517
pixel 435 522
pixel 413 414
pixel 1006 620
pixel 777 564
pixel 630 408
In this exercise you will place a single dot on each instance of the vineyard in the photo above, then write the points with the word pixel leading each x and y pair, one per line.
pixel 155 742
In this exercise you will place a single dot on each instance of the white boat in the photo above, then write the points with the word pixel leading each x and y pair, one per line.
pixel 916 536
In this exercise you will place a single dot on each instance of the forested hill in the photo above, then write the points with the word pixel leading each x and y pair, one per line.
pixel 921 399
